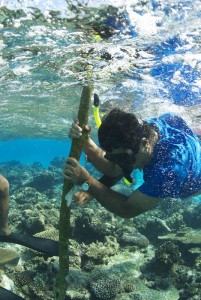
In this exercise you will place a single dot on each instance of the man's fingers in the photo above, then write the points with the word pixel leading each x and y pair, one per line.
pixel 69 166
pixel 75 130
pixel 71 162
pixel 67 177
pixel 82 197
pixel 87 128
pixel 74 133
pixel 68 172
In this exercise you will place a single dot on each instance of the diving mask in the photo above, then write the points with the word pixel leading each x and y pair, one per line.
pixel 124 160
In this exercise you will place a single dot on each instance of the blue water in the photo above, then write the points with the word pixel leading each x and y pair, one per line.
pixel 38 96
pixel 28 151
pixel 148 65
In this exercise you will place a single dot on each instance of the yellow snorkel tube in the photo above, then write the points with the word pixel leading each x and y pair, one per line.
pixel 96 110
pixel 98 123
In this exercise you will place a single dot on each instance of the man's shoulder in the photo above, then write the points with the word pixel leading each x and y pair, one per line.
pixel 170 117
pixel 167 119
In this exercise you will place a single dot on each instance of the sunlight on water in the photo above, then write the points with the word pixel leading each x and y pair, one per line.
pixel 144 56
pixel 40 4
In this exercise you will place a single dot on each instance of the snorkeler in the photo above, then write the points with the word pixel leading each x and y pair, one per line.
pixel 4 205
pixel 7 295
pixel 47 246
pixel 164 148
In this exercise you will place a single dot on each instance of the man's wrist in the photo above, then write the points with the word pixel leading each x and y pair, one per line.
pixel 87 144
pixel 86 184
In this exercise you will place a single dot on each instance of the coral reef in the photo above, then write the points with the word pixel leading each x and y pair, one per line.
pixel 188 282
pixel 166 256
pixel 94 224
pixel 106 287
pixel 44 181
pixel 185 236
pixel 192 216
pixel 153 256
pixel 133 239
pixel 57 162
pixel 27 195
pixel 98 253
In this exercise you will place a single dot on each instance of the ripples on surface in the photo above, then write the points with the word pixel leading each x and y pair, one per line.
pixel 144 57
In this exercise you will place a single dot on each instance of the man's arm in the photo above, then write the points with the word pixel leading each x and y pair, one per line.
pixel 96 156
pixel 123 206
pixel 94 153
pixel 110 181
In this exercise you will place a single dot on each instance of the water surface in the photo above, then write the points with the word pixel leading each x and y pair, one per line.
pixel 143 55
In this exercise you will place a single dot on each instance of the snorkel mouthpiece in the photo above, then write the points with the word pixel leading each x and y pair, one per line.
pixel 127 175
pixel 128 181
pixel 125 161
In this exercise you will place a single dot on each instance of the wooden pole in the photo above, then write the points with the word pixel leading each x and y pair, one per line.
pixel 64 221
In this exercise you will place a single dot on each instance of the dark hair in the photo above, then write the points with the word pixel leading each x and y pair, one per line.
pixel 122 129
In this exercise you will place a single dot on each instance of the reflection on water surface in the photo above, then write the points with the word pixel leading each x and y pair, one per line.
pixel 144 56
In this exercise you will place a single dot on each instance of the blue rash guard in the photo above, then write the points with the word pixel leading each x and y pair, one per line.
pixel 175 169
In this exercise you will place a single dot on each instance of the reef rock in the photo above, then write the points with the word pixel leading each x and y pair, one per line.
pixel 134 239
pixel 192 216
pixel 27 195
pixel 58 162
pixel 42 181
pixel 185 236
pixel 98 253
pixel 166 256
pixel 93 225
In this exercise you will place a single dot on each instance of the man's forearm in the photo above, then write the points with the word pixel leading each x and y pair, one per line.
pixel 111 200
pixel 91 149
pixel 110 181
pixel 96 156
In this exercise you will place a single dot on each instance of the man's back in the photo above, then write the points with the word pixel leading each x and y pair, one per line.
pixel 175 169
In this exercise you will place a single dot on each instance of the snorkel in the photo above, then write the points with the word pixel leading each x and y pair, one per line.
pixel 96 110
pixel 125 159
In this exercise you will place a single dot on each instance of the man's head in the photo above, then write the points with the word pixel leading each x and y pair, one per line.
pixel 124 131
pixel 120 129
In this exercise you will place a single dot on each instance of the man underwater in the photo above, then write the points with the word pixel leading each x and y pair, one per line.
pixel 165 148
pixel 4 205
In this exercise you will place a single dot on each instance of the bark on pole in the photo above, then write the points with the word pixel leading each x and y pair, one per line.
pixel 64 221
